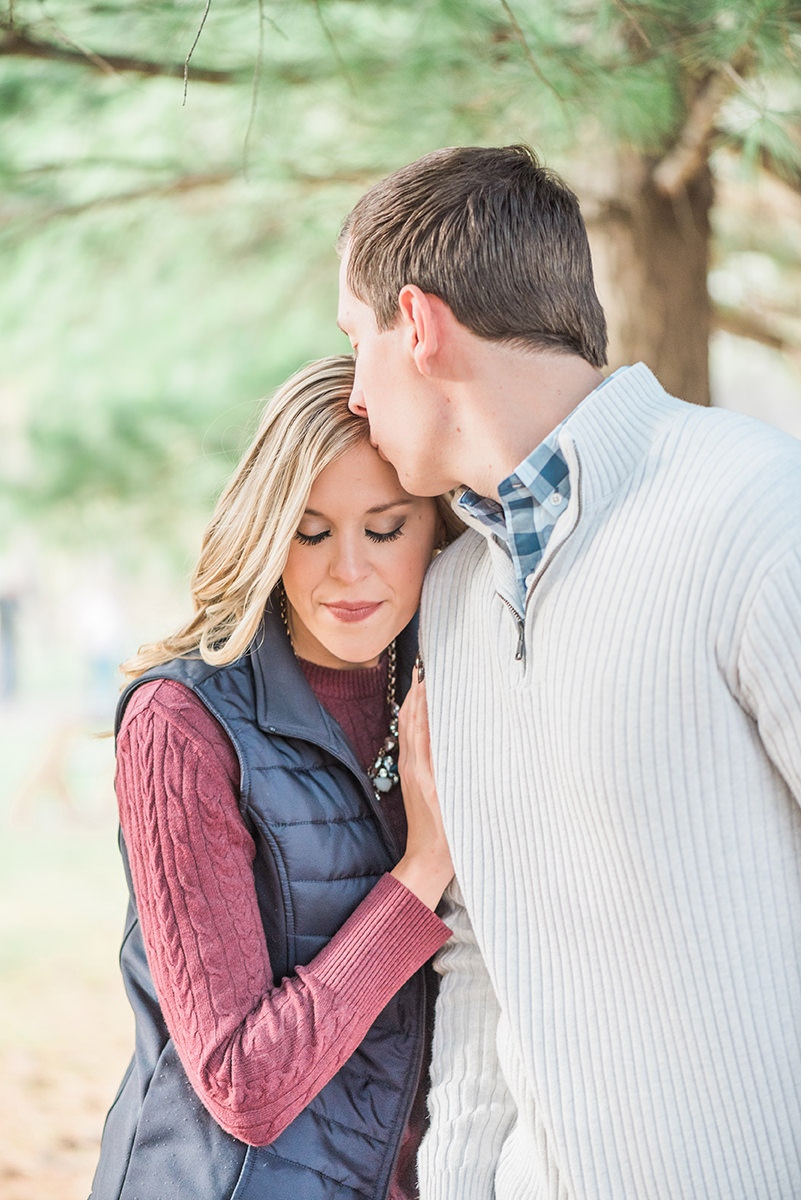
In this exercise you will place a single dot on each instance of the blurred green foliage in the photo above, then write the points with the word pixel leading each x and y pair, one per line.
pixel 165 263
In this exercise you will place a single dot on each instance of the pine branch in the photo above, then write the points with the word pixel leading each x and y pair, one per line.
pixel 14 43
pixel 254 90
pixel 184 183
pixel 747 324
pixel 634 25
pixel 334 47
pixel 521 37
pixel 194 44
pixel 690 151
pixel 788 175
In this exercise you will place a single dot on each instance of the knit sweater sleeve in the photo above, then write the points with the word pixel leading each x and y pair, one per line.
pixel 256 1052
pixel 470 1107
pixel 770 665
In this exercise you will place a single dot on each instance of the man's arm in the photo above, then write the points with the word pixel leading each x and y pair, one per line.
pixel 469 1103
pixel 770 665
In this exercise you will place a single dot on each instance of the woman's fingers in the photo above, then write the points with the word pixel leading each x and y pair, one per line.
pixel 426 866
pixel 415 742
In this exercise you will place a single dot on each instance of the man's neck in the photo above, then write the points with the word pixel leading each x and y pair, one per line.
pixel 511 405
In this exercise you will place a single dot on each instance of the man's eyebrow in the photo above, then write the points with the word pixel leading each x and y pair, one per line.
pixel 377 508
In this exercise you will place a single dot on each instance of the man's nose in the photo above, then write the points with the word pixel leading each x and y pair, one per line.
pixel 356 403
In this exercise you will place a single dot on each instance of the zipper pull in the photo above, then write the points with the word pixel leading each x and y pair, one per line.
pixel 520 653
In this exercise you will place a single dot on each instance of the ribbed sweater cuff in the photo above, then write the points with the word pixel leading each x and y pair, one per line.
pixel 384 941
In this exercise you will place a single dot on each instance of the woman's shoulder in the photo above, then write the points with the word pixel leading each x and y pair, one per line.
pixel 165 696
pixel 176 710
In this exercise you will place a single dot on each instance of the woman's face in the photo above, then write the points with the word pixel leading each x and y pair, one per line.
pixel 356 564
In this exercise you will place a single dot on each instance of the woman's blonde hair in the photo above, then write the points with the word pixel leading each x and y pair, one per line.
pixel 306 426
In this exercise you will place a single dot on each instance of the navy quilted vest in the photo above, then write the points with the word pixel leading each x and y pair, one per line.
pixel 321 845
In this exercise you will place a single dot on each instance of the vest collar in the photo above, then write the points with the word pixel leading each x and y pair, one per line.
pixel 285 703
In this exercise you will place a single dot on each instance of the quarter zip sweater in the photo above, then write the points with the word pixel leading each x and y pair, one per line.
pixel 620 1007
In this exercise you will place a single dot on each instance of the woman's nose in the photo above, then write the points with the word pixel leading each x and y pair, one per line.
pixel 350 561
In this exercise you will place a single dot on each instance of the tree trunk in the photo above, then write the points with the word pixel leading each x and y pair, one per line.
pixel 651 256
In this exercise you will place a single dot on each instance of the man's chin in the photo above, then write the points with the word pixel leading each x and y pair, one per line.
pixel 423 488
pixel 415 485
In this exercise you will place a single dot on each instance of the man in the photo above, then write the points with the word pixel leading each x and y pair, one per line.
pixel 614 680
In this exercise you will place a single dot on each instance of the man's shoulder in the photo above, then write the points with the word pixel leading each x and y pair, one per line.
pixel 460 572
pixel 731 423
pixel 741 452
pixel 733 484
pixel 458 561
pixel 455 590
pixel 638 404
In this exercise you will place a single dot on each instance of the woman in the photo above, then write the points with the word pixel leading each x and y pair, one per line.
pixel 280 916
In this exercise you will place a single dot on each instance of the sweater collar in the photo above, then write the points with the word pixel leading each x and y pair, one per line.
pixel 609 433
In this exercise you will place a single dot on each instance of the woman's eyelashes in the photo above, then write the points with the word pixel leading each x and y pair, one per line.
pixel 314 539
pixel 392 536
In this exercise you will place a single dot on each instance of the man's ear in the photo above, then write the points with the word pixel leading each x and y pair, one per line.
pixel 424 318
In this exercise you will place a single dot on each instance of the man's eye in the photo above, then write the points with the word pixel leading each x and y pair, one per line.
pixel 392 536
pixel 312 539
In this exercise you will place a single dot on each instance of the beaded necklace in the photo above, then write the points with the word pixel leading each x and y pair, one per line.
pixel 383 771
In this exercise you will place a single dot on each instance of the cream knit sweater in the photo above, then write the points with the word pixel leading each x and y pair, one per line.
pixel 620 1014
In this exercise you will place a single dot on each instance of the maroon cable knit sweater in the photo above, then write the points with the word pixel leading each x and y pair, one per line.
pixel 177 789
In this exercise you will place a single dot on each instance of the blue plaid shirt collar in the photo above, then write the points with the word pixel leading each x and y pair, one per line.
pixel 532 499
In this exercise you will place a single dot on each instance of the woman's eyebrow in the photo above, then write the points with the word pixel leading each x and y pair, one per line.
pixel 377 508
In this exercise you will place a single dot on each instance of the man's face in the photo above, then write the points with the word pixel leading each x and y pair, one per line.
pixel 389 391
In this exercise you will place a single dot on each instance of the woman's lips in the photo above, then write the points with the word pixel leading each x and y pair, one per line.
pixel 350 611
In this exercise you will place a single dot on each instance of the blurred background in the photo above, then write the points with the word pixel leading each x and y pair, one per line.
pixel 173 179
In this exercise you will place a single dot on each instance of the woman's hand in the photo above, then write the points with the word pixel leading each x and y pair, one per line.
pixel 426 868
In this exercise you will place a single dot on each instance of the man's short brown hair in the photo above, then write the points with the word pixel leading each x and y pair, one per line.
pixel 491 232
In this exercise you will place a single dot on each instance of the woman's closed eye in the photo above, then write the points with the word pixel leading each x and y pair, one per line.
pixel 392 536
pixel 314 539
